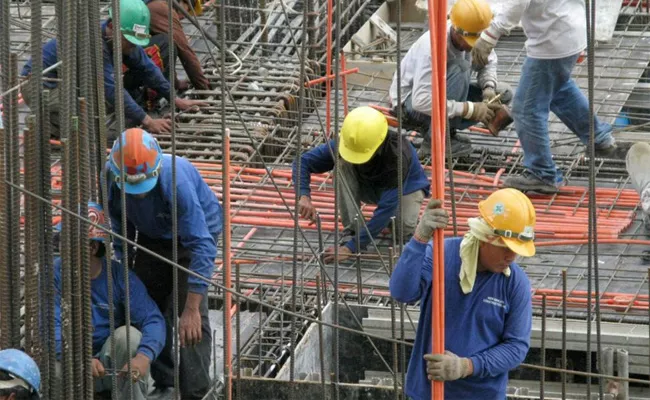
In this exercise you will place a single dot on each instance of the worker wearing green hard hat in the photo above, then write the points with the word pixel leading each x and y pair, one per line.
pixel 134 21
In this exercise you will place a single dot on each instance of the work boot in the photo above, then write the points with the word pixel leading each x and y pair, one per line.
pixel 347 235
pixel 613 151
pixel 527 182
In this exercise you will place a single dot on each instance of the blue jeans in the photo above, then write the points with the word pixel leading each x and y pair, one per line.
pixel 546 85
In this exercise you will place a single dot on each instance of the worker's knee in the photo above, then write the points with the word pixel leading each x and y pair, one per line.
pixel 411 205
pixel 120 339
pixel 506 92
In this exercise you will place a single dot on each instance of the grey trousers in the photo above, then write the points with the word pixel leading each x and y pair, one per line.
pixel 52 106
pixel 360 191
pixel 141 388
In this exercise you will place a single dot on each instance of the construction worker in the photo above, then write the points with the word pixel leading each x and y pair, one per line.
pixel 149 191
pixel 637 162
pixel 134 25
pixel 147 334
pixel 468 103
pixel 488 306
pixel 158 48
pixel 557 35
pixel 368 168
pixel 20 378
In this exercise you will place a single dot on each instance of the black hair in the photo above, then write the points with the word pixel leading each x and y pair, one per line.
pixel 101 250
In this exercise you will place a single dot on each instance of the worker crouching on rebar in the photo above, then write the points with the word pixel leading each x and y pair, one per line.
pixel 158 47
pixel 146 335
pixel 468 103
pixel 488 309
pixel 20 378
pixel 556 36
pixel 148 185
pixel 134 26
pixel 368 168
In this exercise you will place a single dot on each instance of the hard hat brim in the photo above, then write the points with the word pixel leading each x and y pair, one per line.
pixel 141 187
pixel 524 249
pixel 354 157
pixel 138 42
pixel 198 8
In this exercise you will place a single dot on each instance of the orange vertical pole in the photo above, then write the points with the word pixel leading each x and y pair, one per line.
pixel 344 82
pixel 227 267
pixel 328 69
pixel 438 36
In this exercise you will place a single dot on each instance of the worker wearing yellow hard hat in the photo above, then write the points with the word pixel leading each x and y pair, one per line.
pixel 488 305
pixel 468 102
pixel 368 173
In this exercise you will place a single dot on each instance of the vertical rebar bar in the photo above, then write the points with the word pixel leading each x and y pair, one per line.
pixel 47 264
pixel 357 231
pixel 84 196
pixel 67 346
pixel 321 337
pixel 564 349
pixel 5 287
pixel 542 374
pixel 119 116
pixel 337 178
pixel 14 168
pixel 393 328
pixel 623 371
pixel 259 331
pixel 227 272
pixel 30 256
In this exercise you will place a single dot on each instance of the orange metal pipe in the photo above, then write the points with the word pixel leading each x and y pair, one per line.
pixel 331 76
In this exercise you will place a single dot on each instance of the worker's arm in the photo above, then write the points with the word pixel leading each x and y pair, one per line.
pixel 315 161
pixel 507 19
pixel 487 76
pixel 195 236
pixel 57 305
pixel 421 95
pixel 145 315
pixel 139 62
pixel 412 275
pixel 515 343
pixel 191 64
pixel 131 109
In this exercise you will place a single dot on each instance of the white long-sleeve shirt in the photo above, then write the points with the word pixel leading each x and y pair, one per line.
pixel 554 28
pixel 416 75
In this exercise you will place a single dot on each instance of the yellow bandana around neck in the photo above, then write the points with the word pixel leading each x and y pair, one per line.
pixel 479 231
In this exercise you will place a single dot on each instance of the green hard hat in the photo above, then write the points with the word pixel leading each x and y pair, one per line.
pixel 134 21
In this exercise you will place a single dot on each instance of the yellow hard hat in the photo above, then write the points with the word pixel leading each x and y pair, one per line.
pixel 364 130
pixel 469 18
pixel 512 216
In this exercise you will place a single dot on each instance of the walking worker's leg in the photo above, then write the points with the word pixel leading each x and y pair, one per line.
pixel 539 81
pixel 143 386
pixel 411 205
pixel 572 108
pixel 349 200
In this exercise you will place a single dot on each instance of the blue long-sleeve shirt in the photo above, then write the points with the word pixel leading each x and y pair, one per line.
pixel 199 216
pixel 491 325
pixel 145 315
pixel 137 61
pixel 320 159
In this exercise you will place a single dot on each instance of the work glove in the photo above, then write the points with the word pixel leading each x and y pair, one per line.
pixel 488 94
pixel 481 51
pixel 433 218
pixel 480 112
pixel 447 367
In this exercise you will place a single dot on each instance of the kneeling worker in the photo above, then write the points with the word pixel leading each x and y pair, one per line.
pixel 147 334
pixel 488 313
pixel 368 167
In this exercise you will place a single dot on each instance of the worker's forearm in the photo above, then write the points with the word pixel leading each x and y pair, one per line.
pixel 193 301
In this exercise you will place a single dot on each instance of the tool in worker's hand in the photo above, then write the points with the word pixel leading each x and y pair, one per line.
pixel 495 98
pixel 135 374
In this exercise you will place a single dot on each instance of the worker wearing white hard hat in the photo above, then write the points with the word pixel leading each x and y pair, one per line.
pixel 488 305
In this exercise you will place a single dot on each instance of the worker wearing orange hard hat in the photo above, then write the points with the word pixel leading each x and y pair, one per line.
pixel 468 103
pixel 488 305
pixel 556 34
pixel 367 167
